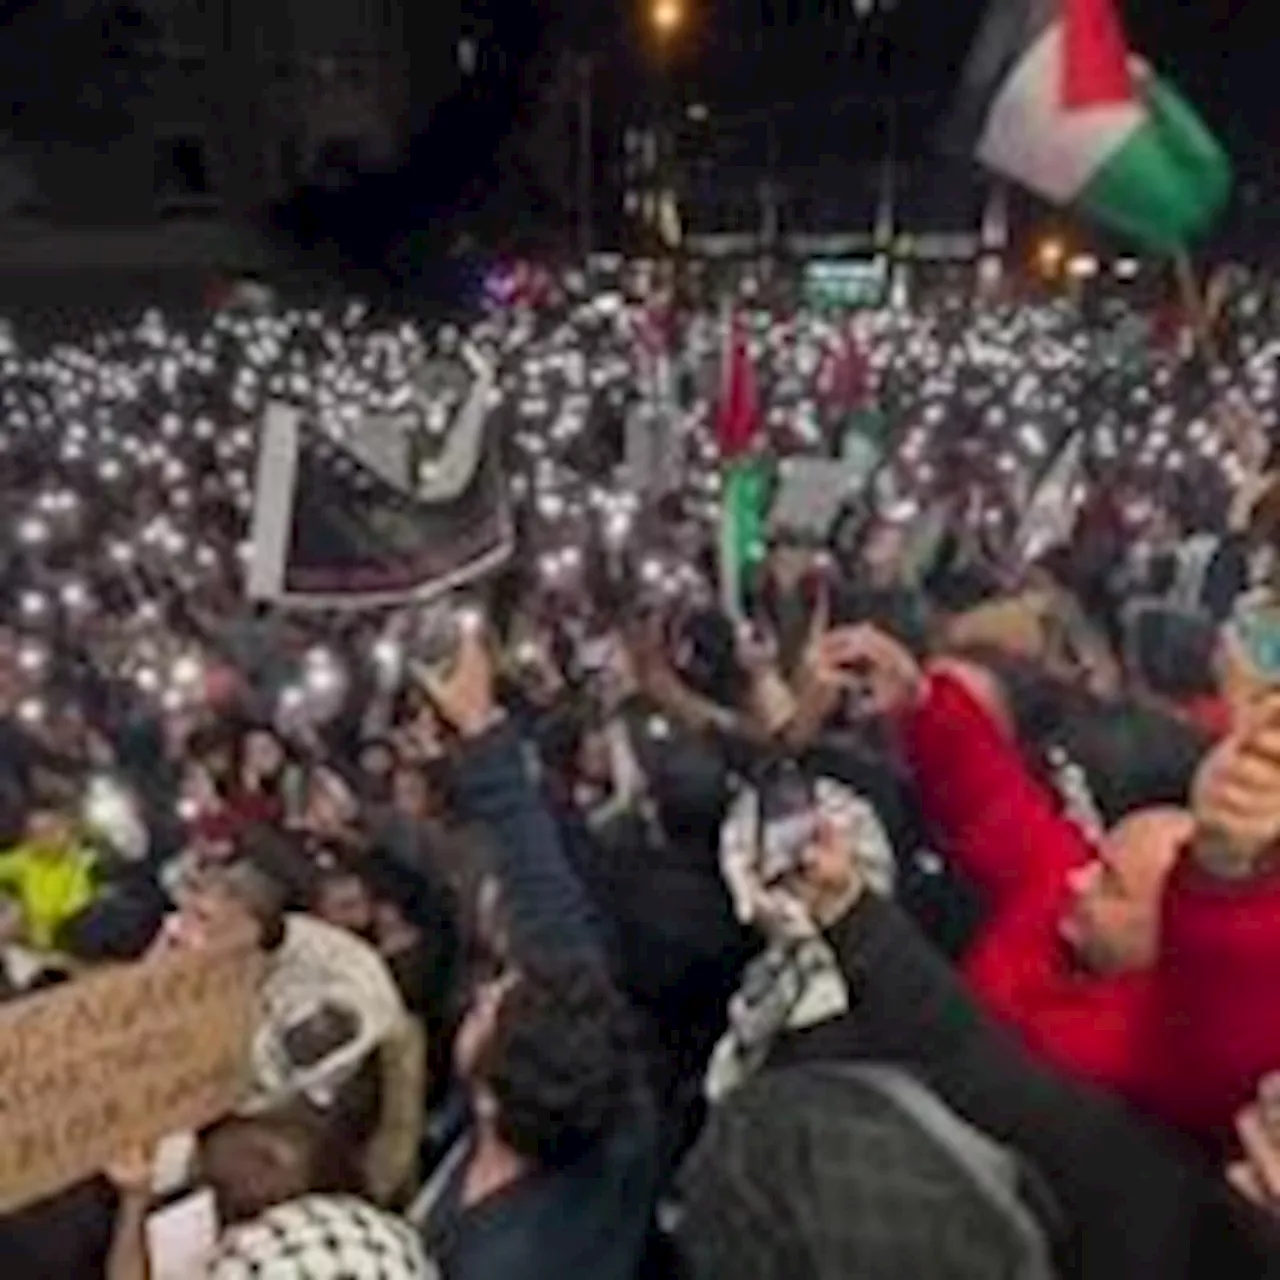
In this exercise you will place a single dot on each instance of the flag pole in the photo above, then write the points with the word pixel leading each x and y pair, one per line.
pixel 730 587
pixel 1193 300
pixel 730 592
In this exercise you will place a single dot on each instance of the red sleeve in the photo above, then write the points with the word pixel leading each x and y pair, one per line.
pixel 1004 831
pixel 1216 1023
pixel 997 823
pixel 1089 1028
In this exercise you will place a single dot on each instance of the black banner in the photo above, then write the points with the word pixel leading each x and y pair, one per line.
pixel 333 530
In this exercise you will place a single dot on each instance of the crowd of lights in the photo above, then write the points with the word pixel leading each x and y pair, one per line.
pixel 127 455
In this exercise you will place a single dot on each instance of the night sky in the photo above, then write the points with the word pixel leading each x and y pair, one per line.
pixel 1219 52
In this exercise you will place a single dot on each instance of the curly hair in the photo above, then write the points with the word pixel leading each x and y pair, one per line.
pixel 1134 756
pixel 562 1062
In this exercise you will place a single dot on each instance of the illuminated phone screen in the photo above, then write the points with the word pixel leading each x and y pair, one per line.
pixel 1258 632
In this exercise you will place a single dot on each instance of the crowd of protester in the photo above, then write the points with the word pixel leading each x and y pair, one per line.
pixel 921 920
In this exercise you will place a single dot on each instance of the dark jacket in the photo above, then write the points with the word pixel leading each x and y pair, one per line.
pixel 587 1222
pixel 945 905
pixel 591 1220
pixel 1132 1202
pixel 548 909
pixel 820 1172
pixel 67 1235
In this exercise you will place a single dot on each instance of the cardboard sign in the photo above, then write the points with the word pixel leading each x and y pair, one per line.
pixel 112 1062
pixel 812 492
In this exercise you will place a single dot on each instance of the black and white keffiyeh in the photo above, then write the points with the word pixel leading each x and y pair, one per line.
pixel 796 982
pixel 322 1238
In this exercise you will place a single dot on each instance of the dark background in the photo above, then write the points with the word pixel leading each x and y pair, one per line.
pixel 492 158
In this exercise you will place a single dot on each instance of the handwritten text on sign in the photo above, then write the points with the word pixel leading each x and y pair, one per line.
pixel 115 1060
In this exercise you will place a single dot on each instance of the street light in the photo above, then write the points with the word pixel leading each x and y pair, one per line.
pixel 667 17
pixel 1051 256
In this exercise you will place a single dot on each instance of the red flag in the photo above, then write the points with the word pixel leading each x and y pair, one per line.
pixel 738 411
pixel 1096 70
pixel 845 376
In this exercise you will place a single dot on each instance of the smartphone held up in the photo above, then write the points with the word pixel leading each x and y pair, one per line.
pixel 436 636
pixel 1256 630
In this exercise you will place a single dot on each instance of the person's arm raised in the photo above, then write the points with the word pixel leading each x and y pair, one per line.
pixel 1220 936
pixel 547 905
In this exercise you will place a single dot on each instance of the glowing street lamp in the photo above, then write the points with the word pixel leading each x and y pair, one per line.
pixel 667 17
pixel 1051 255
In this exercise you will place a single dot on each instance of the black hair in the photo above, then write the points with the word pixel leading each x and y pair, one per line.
pixel 331 863
pixel 1134 756
pixel 263 894
pixel 120 926
pixel 224 738
pixel 562 1061
pixel 280 857
pixel 898 611
pixel 291 756
pixel 688 779
pixel 1172 651
pixel 703 647
pixel 959 587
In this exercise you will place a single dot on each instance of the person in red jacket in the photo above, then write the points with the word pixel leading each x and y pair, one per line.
pixel 1128 964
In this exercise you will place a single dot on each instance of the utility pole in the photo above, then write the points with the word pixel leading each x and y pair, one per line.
pixel 586 156
pixel 886 212
pixel 769 187
pixel 995 218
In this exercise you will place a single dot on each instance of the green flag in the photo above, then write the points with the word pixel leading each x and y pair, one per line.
pixel 743 509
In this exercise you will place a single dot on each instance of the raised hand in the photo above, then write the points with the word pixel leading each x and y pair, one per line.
pixel 464 695
pixel 882 673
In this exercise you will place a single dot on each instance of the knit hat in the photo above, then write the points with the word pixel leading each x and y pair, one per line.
pixel 832 1173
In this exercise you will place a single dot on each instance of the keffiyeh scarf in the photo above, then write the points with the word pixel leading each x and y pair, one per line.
pixel 796 982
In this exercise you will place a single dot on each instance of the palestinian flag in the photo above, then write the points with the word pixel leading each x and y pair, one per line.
pixel 737 410
pixel 744 477
pixel 1053 99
